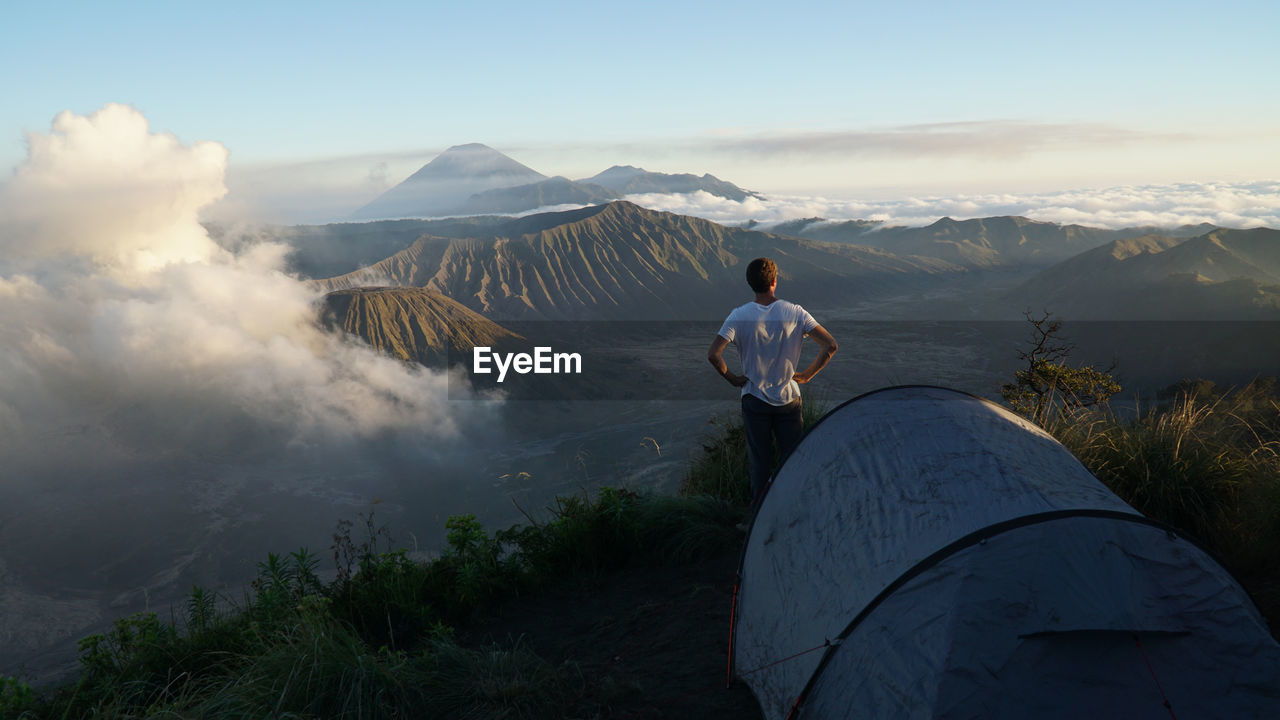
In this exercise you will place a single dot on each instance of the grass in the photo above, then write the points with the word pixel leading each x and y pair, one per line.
pixel 1203 460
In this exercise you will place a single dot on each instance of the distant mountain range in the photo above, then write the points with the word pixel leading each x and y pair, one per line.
pixel 1219 275
pixel 475 179
pixel 629 180
pixel 621 261
pixel 458 279
pixel 547 193
pixel 978 243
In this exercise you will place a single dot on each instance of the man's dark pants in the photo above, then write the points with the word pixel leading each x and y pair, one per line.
pixel 763 422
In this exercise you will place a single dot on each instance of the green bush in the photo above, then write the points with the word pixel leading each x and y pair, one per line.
pixel 16 697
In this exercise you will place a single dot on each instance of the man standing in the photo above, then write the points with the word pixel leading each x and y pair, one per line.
pixel 769 333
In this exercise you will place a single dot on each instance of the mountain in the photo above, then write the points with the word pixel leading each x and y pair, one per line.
pixel 611 184
pixel 446 182
pixel 629 180
pixel 816 228
pixel 411 323
pixel 328 250
pixel 980 243
pixel 1220 275
pixel 555 191
pixel 986 242
pixel 620 261
pixel 475 179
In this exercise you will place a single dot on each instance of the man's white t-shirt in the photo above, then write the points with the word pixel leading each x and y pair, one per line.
pixel 769 338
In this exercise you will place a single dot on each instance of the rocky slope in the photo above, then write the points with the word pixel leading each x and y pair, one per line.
pixel 1220 275
pixel 411 323
pixel 620 261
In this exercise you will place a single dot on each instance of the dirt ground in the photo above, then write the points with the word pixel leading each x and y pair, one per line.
pixel 650 642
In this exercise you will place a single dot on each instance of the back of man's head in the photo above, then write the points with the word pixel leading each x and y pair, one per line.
pixel 762 273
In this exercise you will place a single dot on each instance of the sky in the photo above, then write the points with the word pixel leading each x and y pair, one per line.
pixel 323 105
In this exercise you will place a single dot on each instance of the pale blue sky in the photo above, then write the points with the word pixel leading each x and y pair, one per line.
pixel 802 97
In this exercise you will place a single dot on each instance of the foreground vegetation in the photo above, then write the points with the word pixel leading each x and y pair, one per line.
pixel 379 640
pixel 1203 460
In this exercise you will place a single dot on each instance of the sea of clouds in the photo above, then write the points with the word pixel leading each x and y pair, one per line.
pixel 1235 205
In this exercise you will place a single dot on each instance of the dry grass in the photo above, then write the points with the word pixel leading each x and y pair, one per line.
pixel 1204 462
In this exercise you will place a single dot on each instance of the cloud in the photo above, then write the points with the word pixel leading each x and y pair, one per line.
pixel 110 283
pixel 165 402
pixel 986 138
pixel 313 191
pixel 104 189
pixel 1250 204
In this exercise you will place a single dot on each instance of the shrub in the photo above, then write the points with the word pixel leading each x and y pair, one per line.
pixel 1048 387
pixel 16 697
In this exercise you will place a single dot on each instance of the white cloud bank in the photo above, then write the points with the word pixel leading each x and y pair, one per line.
pixel 974 138
pixel 118 312
pixel 1238 205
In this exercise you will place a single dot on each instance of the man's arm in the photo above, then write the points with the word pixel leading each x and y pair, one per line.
pixel 715 356
pixel 829 347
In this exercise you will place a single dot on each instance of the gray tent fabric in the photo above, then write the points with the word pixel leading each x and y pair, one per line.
pixel 924 553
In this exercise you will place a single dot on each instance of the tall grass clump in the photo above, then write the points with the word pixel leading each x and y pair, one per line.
pixel 1204 461
pixel 720 470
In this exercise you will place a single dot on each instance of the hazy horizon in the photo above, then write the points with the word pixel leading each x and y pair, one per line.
pixel 1228 204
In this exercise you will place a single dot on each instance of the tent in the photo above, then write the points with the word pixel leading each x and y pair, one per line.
pixel 924 553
